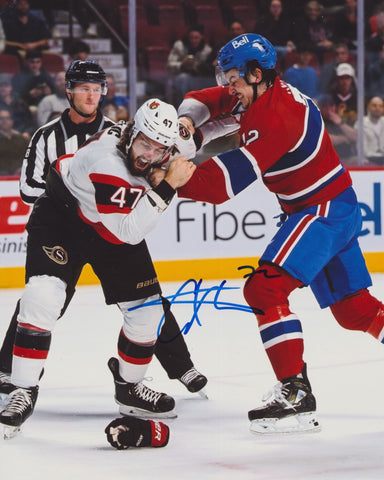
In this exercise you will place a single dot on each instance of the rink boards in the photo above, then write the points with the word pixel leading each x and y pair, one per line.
pixel 198 240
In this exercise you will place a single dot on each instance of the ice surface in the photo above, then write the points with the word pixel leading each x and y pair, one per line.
pixel 210 439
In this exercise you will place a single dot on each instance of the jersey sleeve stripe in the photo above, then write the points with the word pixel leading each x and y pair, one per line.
pixel 103 178
pixel 238 167
pixel 306 149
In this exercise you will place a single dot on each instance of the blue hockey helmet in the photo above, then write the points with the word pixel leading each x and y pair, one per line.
pixel 243 49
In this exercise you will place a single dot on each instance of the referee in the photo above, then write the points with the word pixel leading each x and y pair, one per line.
pixel 61 136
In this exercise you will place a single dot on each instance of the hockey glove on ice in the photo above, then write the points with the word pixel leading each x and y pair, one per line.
pixel 126 432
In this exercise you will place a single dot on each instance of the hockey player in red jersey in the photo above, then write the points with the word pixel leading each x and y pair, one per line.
pixel 284 144
pixel 97 209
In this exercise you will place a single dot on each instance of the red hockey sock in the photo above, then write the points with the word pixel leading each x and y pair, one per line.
pixel 282 336
pixel 376 329
pixel 267 291
pixel 360 311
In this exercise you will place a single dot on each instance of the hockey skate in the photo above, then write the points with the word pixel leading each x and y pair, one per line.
pixel 139 400
pixel 194 381
pixel 20 407
pixel 6 387
pixel 292 410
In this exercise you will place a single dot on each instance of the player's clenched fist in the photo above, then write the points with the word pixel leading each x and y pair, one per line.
pixel 179 172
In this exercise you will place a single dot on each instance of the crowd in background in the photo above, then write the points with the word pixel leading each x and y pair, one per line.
pixel 315 41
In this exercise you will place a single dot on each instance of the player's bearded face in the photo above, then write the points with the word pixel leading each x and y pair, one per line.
pixel 144 154
pixel 239 87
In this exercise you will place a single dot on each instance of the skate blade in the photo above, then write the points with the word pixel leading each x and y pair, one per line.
pixel 139 412
pixel 10 432
pixel 203 394
pixel 300 423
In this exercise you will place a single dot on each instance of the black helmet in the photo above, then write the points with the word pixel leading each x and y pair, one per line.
pixel 85 71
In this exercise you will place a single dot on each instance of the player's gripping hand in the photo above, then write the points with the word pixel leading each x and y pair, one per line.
pixel 126 432
pixel 180 170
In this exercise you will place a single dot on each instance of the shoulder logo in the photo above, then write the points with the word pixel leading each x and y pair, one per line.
pixel 154 105
pixel 57 254
pixel 184 133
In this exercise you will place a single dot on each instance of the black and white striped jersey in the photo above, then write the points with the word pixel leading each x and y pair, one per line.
pixel 54 139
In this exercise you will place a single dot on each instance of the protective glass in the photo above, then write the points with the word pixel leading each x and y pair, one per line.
pixel 86 89
pixel 220 76
pixel 227 78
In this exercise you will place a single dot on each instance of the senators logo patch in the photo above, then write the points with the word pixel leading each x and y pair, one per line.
pixel 154 105
pixel 184 133
pixel 57 254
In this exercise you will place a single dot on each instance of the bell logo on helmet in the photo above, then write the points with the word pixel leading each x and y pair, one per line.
pixel 242 41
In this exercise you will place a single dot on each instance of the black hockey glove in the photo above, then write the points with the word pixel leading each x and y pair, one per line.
pixel 126 432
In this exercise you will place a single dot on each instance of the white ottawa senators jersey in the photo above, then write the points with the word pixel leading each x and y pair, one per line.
pixel 110 198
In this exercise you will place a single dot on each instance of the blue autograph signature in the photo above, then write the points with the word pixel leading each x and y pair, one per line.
pixel 199 297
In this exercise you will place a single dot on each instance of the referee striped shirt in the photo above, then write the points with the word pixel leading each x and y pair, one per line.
pixel 59 137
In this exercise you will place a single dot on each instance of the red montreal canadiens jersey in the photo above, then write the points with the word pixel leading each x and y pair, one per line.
pixel 283 142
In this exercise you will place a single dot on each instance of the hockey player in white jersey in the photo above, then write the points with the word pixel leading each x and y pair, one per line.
pixel 85 88
pixel 97 209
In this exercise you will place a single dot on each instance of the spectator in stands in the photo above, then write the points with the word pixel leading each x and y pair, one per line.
pixel 78 50
pixel 313 28
pixel 12 145
pixel 327 75
pixel 21 115
pixel 373 124
pixel 2 37
pixel 277 27
pixel 76 8
pixel 374 85
pixel 294 9
pixel 110 111
pixel 374 45
pixel 235 29
pixel 54 115
pixel 56 102
pixel 188 62
pixel 24 32
pixel 344 93
pixel 121 103
pixel 372 20
pixel 343 136
pixel 301 75
pixel 345 24
pixel 33 83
